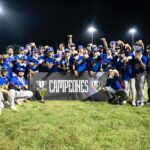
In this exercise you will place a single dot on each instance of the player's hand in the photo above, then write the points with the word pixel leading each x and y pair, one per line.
pixel 40 62
pixel 31 64
pixel 33 44
pixel 103 39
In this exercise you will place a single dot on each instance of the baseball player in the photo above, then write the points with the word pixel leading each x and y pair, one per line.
pixel 140 62
pixel 4 93
pixel 19 89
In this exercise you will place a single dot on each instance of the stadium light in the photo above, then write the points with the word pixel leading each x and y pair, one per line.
pixel 91 30
pixel 132 31
pixel 1 9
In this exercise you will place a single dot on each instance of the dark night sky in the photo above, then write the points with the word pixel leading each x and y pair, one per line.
pixel 49 21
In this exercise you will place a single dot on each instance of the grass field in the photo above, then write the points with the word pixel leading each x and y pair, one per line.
pixel 75 125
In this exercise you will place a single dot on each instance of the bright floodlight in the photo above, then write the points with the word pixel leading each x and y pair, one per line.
pixel 91 29
pixel 1 9
pixel 132 31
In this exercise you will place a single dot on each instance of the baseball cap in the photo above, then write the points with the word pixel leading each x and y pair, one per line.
pixel 21 48
pixel 20 70
pixel 50 49
pixel 67 50
pixel 35 50
pixel 4 68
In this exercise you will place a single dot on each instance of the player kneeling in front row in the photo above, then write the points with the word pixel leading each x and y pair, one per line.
pixel 19 89
pixel 115 88
pixel 4 92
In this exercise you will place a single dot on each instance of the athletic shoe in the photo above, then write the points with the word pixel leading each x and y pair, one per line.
pixel 18 102
pixel 124 102
pixel 13 108
pixel 133 103
pixel 140 104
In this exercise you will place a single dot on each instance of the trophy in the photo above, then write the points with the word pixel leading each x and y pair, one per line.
pixel 41 90
pixel 69 40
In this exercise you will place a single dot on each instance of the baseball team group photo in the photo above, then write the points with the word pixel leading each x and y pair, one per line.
pixel 63 87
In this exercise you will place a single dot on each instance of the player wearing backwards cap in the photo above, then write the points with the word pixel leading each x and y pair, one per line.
pixel 114 87
pixel 140 71
pixel 94 64
pixel 148 72
pixel 80 62
pixel 19 89
pixel 3 87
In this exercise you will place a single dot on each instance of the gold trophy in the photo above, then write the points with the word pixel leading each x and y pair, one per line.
pixel 41 90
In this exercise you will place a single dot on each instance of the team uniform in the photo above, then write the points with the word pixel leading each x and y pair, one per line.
pixel 4 93
pixel 140 74
pixel 65 64
pixel 115 87
pixel 80 63
pixel 125 67
pixel 18 90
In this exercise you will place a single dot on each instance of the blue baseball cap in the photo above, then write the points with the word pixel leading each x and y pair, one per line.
pixel 67 50
pixel 24 57
pixel 35 50
pixel 4 68
pixel 20 70
pixel 138 48
pixel 80 46
pixel 95 49
pixel 112 42
pixel 100 46
pixel 21 48
pixel 50 49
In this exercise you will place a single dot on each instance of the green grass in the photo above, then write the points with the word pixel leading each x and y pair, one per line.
pixel 75 125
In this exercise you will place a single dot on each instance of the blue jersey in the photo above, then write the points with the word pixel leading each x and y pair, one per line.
pixel 125 69
pixel 9 63
pixel 95 64
pixel 20 65
pixel 115 83
pixel 3 80
pixel 50 63
pixel 16 81
pixel 80 63
pixel 18 57
pixel 35 61
pixel 138 68
pixel 107 62
pixel 66 63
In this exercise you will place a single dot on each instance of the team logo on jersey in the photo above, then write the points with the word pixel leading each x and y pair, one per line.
pixel 41 84
pixel 96 85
